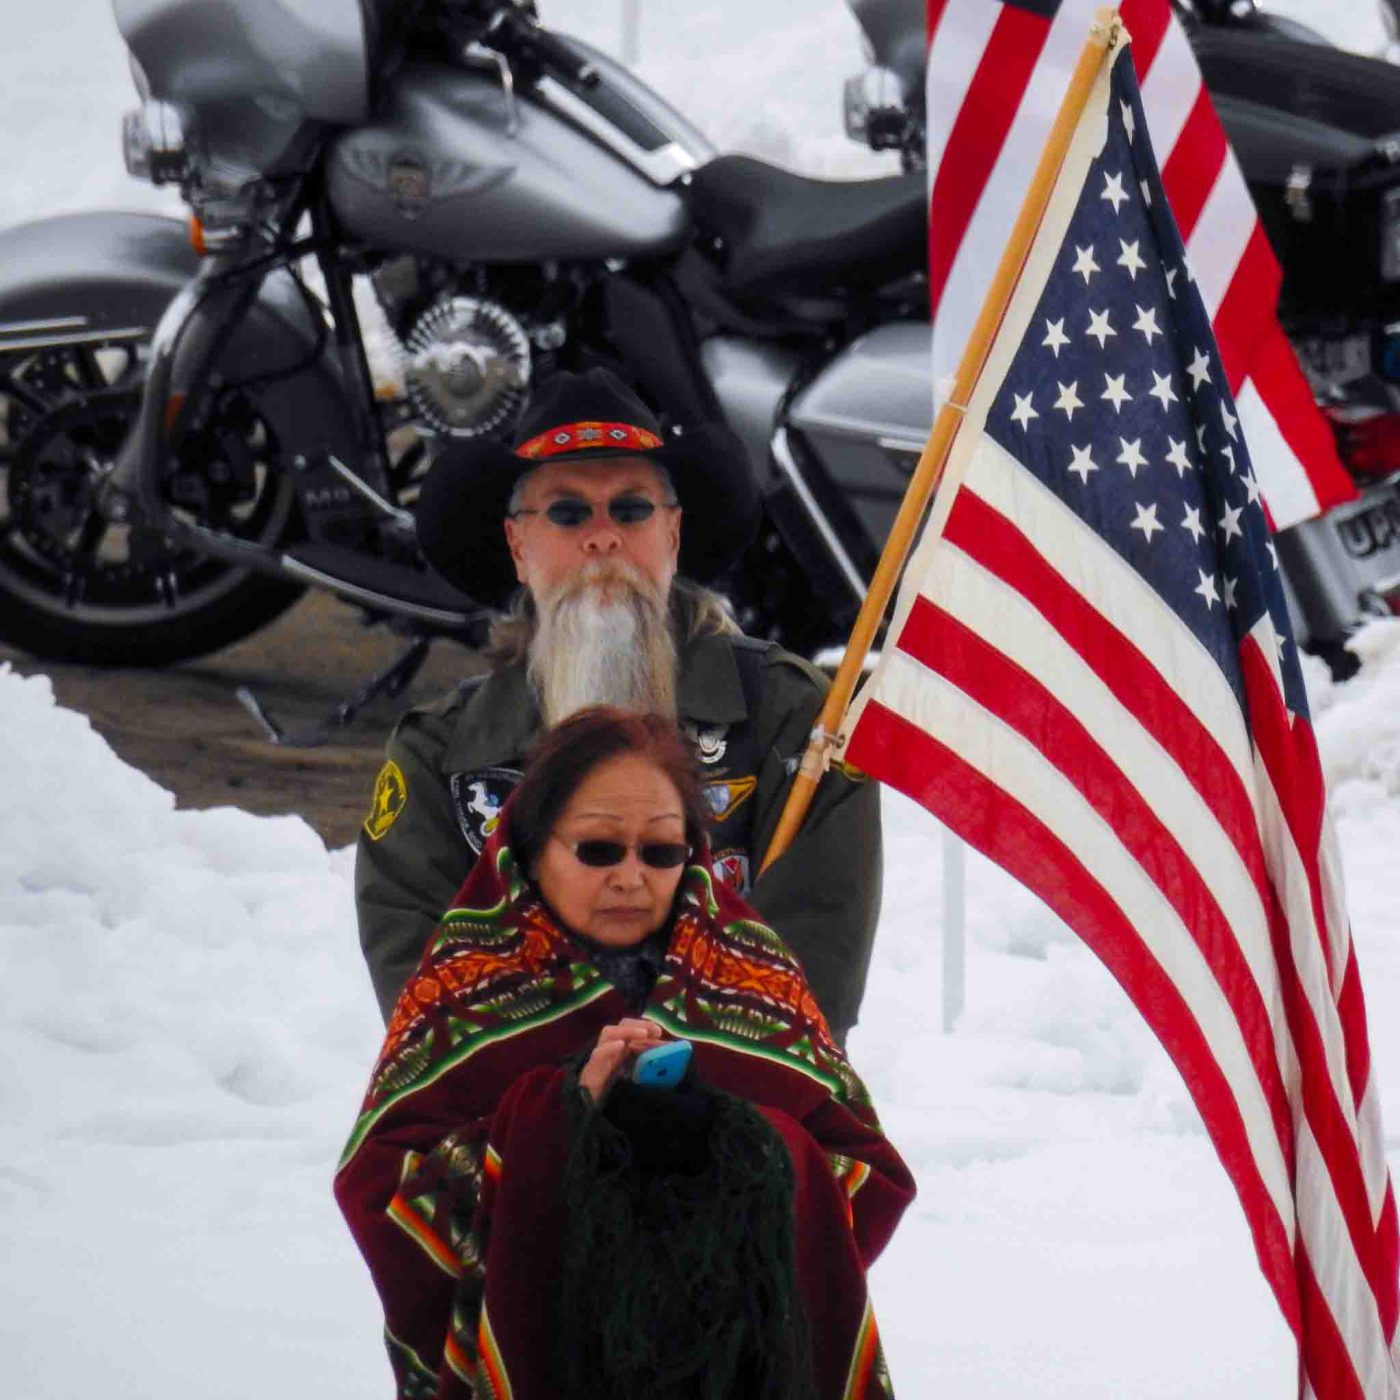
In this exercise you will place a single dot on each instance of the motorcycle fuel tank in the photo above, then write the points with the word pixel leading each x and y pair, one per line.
pixel 457 168
pixel 250 74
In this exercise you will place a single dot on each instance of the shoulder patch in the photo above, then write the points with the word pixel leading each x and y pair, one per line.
pixel 726 797
pixel 390 798
pixel 478 797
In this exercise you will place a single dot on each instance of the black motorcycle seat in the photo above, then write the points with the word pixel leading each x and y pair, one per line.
pixel 785 232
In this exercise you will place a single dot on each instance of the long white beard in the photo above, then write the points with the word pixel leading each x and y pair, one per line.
pixel 603 638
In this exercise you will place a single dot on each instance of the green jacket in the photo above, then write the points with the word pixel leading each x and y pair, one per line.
pixel 748 706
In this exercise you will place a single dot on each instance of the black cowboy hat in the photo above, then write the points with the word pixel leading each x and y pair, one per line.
pixel 587 417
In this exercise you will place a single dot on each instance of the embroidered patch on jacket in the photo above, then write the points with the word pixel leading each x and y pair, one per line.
pixel 733 868
pixel 390 798
pixel 478 798
pixel 726 797
pixel 710 740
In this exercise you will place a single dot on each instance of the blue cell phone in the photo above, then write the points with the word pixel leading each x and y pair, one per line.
pixel 663 1065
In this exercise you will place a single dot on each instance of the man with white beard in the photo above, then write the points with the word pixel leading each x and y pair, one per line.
pixel 610 531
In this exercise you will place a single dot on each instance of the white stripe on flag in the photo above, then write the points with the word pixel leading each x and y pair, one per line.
pixel 956 51
pixel 1286 486
pixel 1170 91
pixel 1222 233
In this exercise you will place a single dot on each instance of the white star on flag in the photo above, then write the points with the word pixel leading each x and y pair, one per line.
pixel 1228 419
pixel 1178 458
pixel 1146 322
pixel 1199 369
pixel 1099 327
pixel 1083 464
pixel 1055 336
pixel 1113 190
pixel 1146 520
pixel 1192 523
pixel 1069 399
pixel 1131 456
pixel 1230 522
pixel 1206 588
pixel 1114 391
pixel 1130 258
pixel 1084 263
pixel 1023 412
pixel 1162 389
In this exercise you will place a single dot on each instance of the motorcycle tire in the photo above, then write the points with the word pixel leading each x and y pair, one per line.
pixel 76 586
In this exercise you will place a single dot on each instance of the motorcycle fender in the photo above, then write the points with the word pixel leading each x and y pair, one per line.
pixel 92 274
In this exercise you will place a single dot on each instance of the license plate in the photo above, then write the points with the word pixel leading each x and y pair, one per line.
pixel 1370 533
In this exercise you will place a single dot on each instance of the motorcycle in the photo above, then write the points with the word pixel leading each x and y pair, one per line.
pixel 191 432
pixel 1314 130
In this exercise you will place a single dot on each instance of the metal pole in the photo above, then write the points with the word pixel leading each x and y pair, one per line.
pixel 631 32
pixel 954 930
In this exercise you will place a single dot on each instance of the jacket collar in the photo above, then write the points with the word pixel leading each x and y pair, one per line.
pixel 502 716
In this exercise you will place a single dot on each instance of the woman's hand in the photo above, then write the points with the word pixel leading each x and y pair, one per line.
pixel 617 1047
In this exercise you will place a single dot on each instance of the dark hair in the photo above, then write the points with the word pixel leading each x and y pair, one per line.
pixel 570 751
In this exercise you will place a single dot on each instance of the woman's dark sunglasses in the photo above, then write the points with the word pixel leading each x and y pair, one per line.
pixel 659 855
pixel 569 512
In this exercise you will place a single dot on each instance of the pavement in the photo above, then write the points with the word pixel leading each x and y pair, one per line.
pixel 184 726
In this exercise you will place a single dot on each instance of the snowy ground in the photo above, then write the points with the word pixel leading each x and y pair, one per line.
pixel 187 1026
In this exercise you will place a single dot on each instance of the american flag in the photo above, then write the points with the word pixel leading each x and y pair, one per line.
pixel 996 71
pixel 1091 678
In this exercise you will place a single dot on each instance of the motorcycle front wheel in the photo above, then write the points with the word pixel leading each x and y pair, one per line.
pixel 75 586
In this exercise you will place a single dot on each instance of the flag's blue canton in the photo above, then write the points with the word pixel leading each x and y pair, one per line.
pixel 1117 401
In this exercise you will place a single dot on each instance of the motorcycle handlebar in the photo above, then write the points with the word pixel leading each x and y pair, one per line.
pixel 511 27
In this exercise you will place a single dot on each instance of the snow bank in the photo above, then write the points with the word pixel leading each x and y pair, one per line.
pixel 188 1026
pixel 185 1026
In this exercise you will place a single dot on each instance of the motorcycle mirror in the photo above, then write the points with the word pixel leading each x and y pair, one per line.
pixel 877 93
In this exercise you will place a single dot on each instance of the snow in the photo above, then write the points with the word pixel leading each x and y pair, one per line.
pixel 187 1025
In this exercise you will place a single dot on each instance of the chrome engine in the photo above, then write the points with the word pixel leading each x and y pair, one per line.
pixel 466 366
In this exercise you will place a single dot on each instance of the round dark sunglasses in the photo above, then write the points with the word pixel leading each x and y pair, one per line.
pixel 659 855
pixel 569 512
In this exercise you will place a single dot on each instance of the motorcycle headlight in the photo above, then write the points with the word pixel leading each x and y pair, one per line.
pixel 153 143
pixel 1390 235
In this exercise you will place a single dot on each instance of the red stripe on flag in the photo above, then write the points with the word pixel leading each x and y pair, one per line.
pixel 975 141
pixel 1388 1243
pixel 1147 21
pixel 1324 1354
pixel 1279 378
pixel 1194 165
pixel 1351 1007
pixel 1246 311
pixel 988 818
pixel 932 15
pixel 1017 698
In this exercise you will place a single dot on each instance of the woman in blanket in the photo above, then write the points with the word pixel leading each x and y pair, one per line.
pixel 538 1225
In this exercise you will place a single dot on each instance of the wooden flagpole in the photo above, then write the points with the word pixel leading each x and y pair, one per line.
pixel 1103 34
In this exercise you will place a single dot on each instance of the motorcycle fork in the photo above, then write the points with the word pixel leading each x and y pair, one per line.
pixel 349 340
